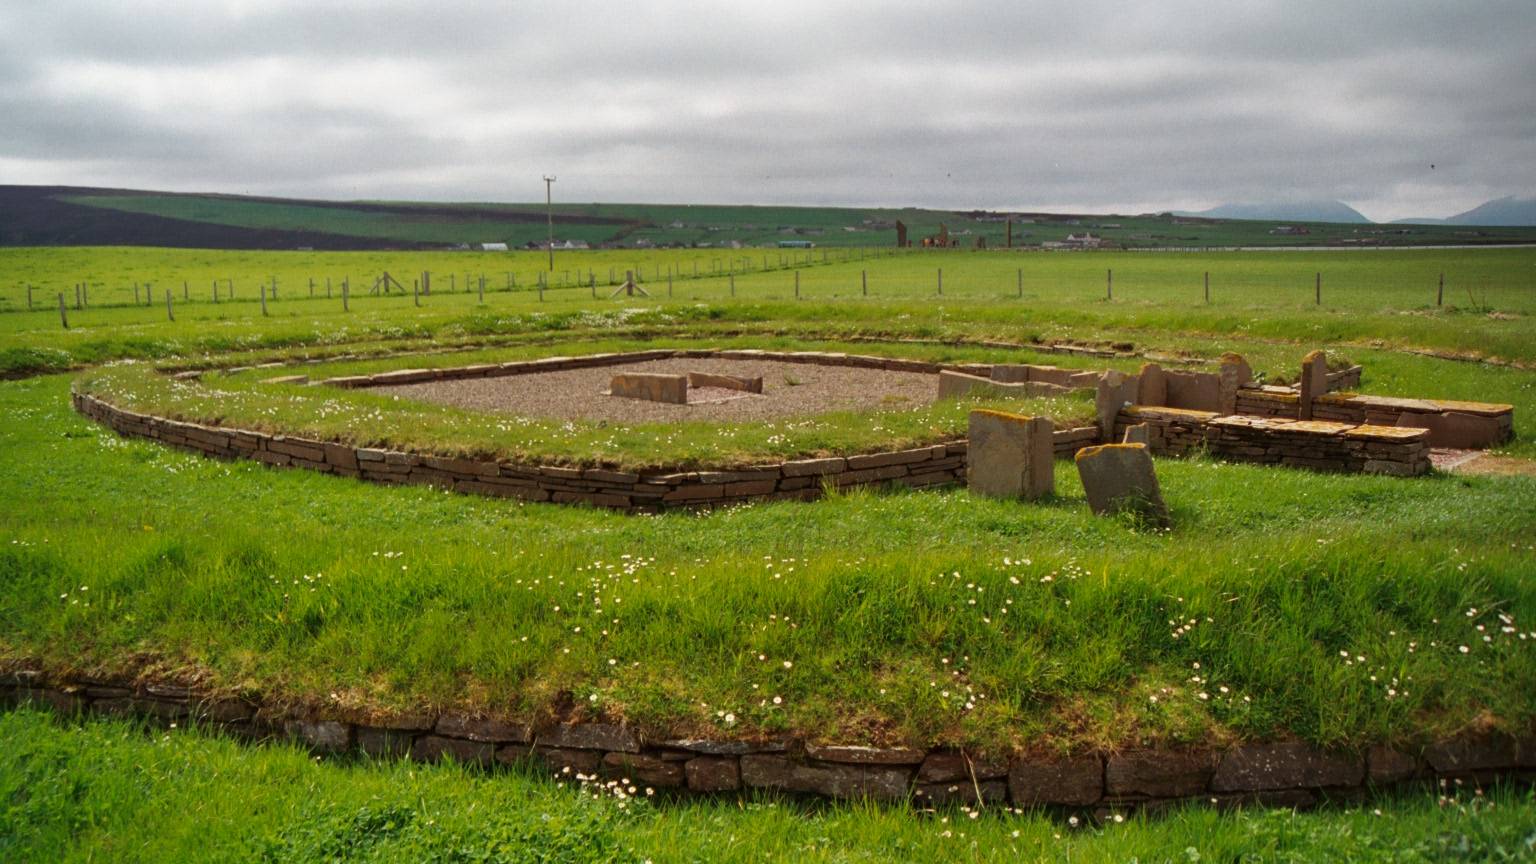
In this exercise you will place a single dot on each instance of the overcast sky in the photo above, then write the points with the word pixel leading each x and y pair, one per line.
pixel 1398 108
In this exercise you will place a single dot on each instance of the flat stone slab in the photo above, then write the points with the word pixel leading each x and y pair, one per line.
pixel 1369 432
pixel 651 386
pixel 1160 412
pixel 1010 455
pixel 1121 477
pixel 1316 427
pixel 726 382
pixel 1490 409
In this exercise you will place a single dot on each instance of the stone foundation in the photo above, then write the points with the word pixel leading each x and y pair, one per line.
pixel 941 464
pixel 1318 445
pixel 1287 773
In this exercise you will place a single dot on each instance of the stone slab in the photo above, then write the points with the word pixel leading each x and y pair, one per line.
pixel 1285 765
pixel 1010 455
pixel 727 382
pixel 1456 430
pixel 834 781
pixel 1158 774
pixel 1115 391
pixel 1196 391
pixel 650 386
pixel 1121 476
pixel 1314 382
pixel 1153 387
pixel 1074 781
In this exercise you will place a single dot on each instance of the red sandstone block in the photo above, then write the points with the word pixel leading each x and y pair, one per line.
pixel 898 457
pixel 751 487
pixel 694 493
pixel 812 467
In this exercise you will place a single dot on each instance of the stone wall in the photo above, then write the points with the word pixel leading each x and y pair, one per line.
pixel 1283 773
pixel 1319 445
pixel 587 361
pixel 1451 423
pixel 803 479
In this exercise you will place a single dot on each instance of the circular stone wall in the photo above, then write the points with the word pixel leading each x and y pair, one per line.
pixel 789 390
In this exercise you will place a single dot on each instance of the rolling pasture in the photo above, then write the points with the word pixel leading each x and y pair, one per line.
pixel 1344 611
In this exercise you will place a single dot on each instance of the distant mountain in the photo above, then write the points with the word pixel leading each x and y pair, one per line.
pixel 1287 211
pixel 1508 210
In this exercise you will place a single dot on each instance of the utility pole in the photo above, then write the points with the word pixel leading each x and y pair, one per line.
pixel 549 211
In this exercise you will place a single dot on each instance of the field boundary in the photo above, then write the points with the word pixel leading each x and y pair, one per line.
pixel 938 464
pixel 1286 773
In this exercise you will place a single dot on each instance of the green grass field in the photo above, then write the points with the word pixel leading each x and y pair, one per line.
pixel 1344 610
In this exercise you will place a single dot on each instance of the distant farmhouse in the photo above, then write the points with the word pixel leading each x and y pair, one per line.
pixel 493 247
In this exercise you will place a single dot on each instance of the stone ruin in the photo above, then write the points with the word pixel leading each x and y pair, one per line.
pixel 657 387
pixel 1315 424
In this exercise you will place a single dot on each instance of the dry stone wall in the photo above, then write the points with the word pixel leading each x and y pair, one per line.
pixel 1319 445
pixel 803 479
pixel 1284 773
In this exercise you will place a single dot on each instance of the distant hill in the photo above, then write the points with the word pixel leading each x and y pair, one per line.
pixel 1288 211
pixel 1507 211
pixel 74 216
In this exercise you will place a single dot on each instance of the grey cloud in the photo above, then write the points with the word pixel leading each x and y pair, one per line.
pixel 1085 104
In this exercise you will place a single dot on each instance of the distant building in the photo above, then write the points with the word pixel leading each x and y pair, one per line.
pixel 796 244
pixel 493 247
pixel 1082 241
pixel 1290 230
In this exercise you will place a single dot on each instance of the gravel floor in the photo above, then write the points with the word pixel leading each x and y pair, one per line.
pixel 789 390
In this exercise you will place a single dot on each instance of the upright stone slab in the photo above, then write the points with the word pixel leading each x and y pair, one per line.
pixel 1115 391
pixel 1010 455
pixel 1153 389
pixel 1121 477
pixel 1314 381
pixel 1235 373
pixel 1140 433
pixel 650 386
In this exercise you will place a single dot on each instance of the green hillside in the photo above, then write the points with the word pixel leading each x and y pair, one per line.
pixel 285 223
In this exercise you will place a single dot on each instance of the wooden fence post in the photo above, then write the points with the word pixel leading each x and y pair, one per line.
pixel 1207 286
pixel 169 315
pixel 797 284
pixel 63 315
pixel 262 290
pixel 1319 288
pixel 346 285
pixel 1439 294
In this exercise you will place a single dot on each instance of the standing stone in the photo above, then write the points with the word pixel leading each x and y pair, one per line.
pixel 1235 372
pixel 1121 477
pixel 1010 455
pixel 1153 389
pixel 1115 391
pixel 1314 381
